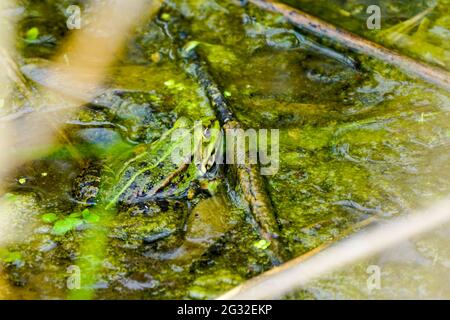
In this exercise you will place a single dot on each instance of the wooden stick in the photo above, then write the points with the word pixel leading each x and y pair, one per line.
pixel 246 175
pixel 434 75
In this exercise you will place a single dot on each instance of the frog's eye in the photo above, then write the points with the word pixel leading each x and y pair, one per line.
pixel 207 133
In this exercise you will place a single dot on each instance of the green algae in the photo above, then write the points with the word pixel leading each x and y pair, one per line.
pixel 354 143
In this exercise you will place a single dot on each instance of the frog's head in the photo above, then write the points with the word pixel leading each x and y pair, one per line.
pixel 207 148
pixel 199 143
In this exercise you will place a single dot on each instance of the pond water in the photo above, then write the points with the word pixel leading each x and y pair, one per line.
pixel 358 139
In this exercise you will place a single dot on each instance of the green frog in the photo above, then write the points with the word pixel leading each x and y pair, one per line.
pixel 168 168
pixel 150 189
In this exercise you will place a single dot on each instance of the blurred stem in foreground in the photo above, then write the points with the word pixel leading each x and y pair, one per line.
pixel 6 45
pixel 92 48
pixel 8 73
pixel 294 274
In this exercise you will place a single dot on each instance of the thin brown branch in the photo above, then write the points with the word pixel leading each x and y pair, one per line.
pixel 246 175
pixel 434 75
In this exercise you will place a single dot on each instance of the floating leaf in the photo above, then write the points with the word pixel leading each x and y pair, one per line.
pixel 75 215
pixel 61 227
pixel 92 218
pixel 49 217
pixel 32 34
pixel 86 213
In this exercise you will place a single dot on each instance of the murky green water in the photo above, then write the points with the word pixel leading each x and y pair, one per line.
pixel 357 139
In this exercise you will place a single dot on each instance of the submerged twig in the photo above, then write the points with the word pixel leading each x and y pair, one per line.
pixel 247 175
pixel 434 75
